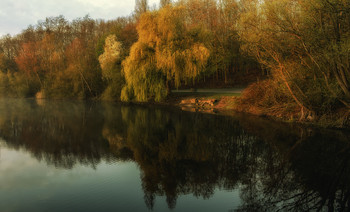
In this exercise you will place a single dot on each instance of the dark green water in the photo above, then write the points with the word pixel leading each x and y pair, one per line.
pixel 78 156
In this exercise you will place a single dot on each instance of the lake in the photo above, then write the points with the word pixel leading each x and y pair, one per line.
pixel 89 156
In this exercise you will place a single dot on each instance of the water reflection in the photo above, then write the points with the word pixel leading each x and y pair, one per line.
pixel 274 166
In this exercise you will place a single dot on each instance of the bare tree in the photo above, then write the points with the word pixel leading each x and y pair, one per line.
pixel 141 6
pixel 164 3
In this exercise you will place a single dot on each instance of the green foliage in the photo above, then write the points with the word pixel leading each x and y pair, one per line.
pixel 65 84
pixel 100 46
pixel 17 85
pixel 4 84
pixel 113 91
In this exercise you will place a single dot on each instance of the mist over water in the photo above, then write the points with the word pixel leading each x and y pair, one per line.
pixel 88 156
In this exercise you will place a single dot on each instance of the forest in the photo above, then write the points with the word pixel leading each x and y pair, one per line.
pixel 294 53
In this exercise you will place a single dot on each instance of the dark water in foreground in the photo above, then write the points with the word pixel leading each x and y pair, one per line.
pixel 75 156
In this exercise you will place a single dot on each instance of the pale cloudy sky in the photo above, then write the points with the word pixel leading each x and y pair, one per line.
pixel 16 15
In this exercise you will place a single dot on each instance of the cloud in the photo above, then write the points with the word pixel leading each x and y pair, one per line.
pixel 17 15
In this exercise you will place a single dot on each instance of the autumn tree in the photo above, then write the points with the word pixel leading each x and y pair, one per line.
pixel 50 55
pixel 303 43
pixel 9 47
pixel 168 51
pixel 110 62
pixel 27 61
pixel 181 52
pixel 79 71
pixel 124 28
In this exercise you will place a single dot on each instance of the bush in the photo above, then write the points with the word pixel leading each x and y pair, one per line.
pixel 17 85
pixel 267 97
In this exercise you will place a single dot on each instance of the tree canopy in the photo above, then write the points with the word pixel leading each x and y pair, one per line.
pixel 167 50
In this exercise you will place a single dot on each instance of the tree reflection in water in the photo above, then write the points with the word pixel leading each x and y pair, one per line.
pixel 274 166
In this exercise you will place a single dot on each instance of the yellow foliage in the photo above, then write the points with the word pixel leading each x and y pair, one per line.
pixel 167 50
pixel 110 56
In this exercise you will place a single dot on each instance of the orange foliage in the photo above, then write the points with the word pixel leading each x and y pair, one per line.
pixel 27 59
pixel 47 53
pixel 202 12
pixel 74 52
pixel 267 97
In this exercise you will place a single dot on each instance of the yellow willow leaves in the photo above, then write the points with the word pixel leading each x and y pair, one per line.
pixel 170 22
pixel 141 76
pixel 183 64
pixel 147 28
pixel 167 50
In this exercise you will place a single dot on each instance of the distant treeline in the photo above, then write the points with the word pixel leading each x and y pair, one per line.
pixel 303 47
pixel 144 54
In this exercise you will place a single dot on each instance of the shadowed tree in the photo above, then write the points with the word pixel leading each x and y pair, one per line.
pixel 303 44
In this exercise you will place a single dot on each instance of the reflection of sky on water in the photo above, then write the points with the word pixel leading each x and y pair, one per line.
pixel 30 185
pixel 27 184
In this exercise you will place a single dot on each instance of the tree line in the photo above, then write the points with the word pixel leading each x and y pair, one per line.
pixel 142 56
pixel 301 46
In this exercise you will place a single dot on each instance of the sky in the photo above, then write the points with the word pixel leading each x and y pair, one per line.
pixel 16 15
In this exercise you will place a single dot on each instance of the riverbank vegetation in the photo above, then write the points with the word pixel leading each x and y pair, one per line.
pixel 305 47
pixel 294 54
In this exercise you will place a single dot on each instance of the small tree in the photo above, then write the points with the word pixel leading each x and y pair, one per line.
pixel 111 70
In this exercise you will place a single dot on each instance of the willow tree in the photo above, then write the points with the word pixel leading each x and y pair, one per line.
pixel 181 52
pixel 168 52
pixel 143 80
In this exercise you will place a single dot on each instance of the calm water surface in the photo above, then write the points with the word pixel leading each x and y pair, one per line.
pixel 78 156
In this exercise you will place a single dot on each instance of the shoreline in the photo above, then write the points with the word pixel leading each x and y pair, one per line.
pixel 229 106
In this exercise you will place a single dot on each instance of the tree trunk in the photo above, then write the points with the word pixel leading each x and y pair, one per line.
pixel 168 86
pixel 301 105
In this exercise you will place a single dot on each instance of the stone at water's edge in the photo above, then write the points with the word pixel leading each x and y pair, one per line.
pixel 198 103
pixel 223 103
pixel 191 101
